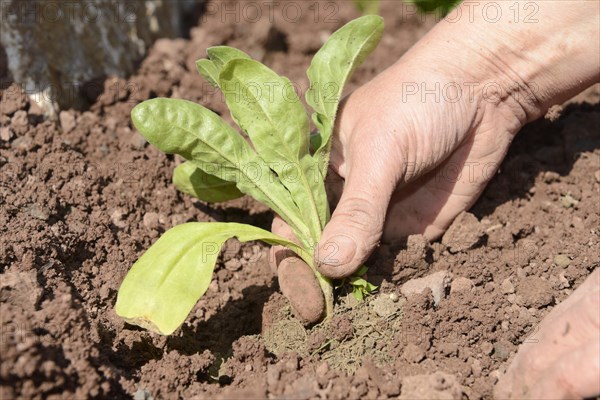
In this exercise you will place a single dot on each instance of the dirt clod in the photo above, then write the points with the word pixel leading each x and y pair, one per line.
pixel 535 292
pixel 413 353
pixel 461 284
pixel 437 282
pixel 464 233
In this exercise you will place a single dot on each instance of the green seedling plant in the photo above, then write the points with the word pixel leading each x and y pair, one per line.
pixel 443 7
pixel 278 169
pixel 367 6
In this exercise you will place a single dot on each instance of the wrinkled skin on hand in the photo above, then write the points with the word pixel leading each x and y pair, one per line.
pixel 561 359
pixel 399 165
pixel 406 162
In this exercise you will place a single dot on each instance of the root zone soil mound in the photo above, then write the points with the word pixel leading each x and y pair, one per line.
pixel 82 198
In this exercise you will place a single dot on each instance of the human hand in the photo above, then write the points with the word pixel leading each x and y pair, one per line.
pixel 418 144
pixel 561 360
pixel 399 165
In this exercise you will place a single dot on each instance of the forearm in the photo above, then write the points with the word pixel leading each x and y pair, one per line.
pixel 540 53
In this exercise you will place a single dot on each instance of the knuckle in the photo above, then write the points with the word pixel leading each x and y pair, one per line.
pixel 360 214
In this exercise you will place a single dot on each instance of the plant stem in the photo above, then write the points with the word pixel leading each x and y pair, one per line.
pixel 326 288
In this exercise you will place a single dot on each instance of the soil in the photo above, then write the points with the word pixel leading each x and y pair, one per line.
pixel 81 198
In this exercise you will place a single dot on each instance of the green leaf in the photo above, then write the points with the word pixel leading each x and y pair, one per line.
pixel 165 283
pixel 361 271
pixel 266 106
pixel 367 6
pixel 443 6
pixel 208 70
pixel 221 55
pixel 190 179
pixel 201 136
pixel 315 142
pixel 358 294
pixel 331 69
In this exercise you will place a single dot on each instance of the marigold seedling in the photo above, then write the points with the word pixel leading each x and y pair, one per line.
pixel 278 169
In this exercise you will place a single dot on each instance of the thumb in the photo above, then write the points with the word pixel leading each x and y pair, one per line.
pixel 357 223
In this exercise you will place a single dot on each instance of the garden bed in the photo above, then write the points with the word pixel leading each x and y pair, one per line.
pixel 82 198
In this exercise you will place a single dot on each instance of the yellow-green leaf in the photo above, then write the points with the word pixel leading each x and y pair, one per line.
pixel 165 283
pixel 190 179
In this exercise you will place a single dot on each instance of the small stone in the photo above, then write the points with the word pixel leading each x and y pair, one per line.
pixel 413 353
pixel 502 349
pixel 151 220
pixel 534 291
pixel 568 201
pixel 437 282
pixel 116 218
pixel 6 133
pixel 67 120
pixel 394 297
pixel 486 348
pixel 562 261
pixel 506 287
pixel 461 284
pixel 37 212
pixel 213 287
pixel 20 122
pixel 597 176
pixel 564 282
pixel 142 394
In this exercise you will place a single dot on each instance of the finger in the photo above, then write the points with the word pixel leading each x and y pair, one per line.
pixel 575 375
pixel 297 281
pixel 430 200
pixel 299 284
pixel 357 222
pixel 504 387
pixel 592 283
pixel 571 323
pixel 278 253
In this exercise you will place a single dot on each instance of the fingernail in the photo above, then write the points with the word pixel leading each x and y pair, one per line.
pixel 336 251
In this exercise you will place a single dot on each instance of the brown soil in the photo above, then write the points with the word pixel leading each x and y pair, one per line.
pixel 82 198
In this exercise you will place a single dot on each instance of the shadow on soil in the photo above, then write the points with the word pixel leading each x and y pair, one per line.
pixel 236 319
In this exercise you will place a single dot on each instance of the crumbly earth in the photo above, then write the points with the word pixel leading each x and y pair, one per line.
pixel 82 198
